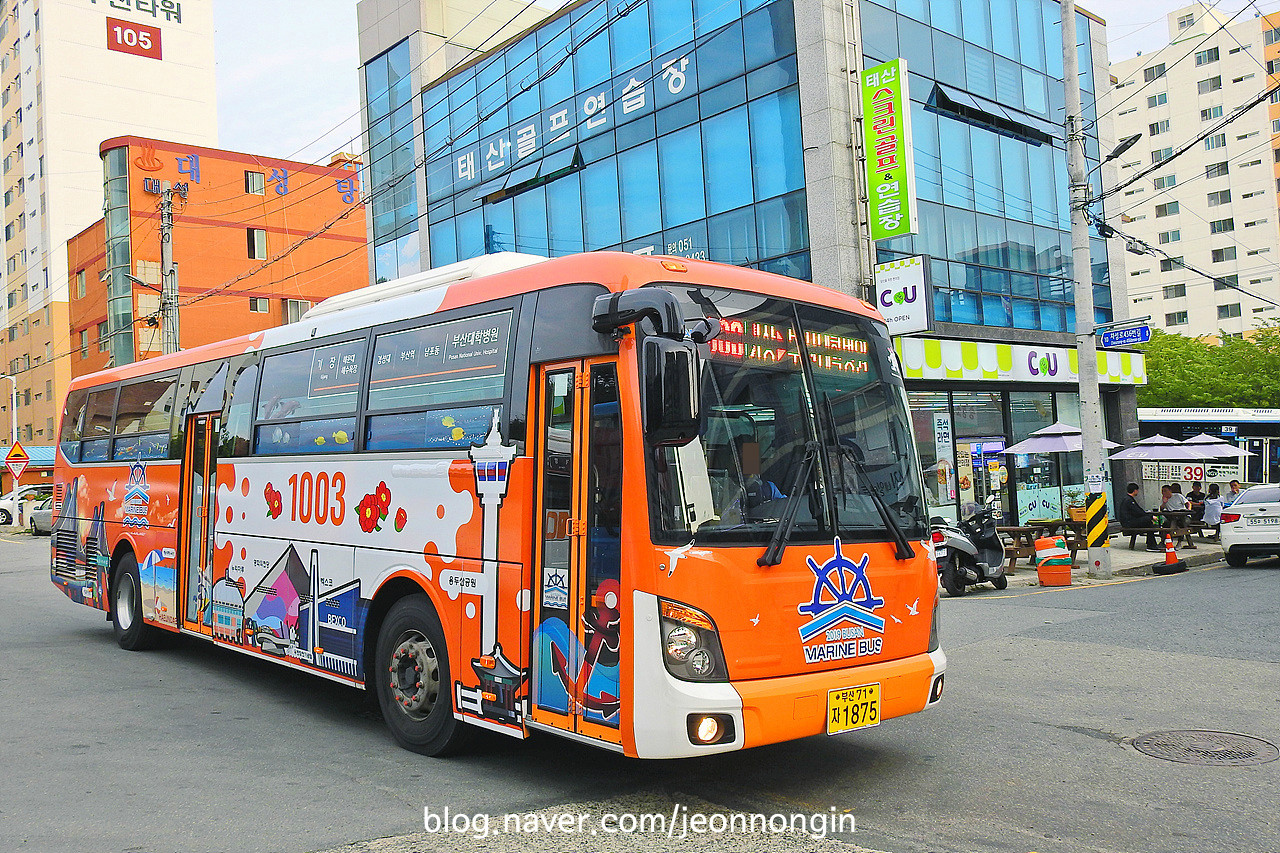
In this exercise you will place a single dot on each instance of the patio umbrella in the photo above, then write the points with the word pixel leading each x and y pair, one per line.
pixel 1056 438
pixel 1159 448
pixel 1219 448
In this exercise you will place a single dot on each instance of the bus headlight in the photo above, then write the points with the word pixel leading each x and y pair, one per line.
pixel 691 644
pixel 681 642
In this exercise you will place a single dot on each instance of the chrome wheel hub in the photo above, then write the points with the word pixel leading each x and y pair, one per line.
pixel 415 674
pixel 124 602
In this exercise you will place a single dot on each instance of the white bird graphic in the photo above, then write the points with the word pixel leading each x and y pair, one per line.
pixel 895 618
pixel 914 607
pixel 755 621
pixel 675 554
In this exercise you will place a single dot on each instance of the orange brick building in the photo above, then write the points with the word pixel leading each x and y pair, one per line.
pixel 239 214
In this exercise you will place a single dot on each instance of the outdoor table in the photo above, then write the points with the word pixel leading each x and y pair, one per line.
pixel 1182 530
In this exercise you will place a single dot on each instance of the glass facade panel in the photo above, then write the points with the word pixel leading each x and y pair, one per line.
pixel 776 147
pixel 680 165
pixel 638 182
pixel 390 186
pixel 564 216
pixel 726 141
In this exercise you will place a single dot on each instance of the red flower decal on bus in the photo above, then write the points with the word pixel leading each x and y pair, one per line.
pixel 275 501
pixel 384 498
pixel 402 518
pixel 369 514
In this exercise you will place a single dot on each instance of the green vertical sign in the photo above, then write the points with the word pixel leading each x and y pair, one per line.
pixel 891 173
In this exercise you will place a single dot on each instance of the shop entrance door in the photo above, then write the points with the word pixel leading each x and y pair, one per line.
pixel 982 470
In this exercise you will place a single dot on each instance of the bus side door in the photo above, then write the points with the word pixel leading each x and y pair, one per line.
pixel 196 516
pixel 577 624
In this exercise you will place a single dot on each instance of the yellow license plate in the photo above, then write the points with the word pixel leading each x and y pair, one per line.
pixel 850 708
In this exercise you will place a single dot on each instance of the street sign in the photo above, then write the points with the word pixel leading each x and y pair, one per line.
pixel 1125 337
pixel 17 461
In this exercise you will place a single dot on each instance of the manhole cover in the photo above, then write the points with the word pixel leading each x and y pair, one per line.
pixel 1197 747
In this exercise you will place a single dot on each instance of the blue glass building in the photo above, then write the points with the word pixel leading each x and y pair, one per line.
pixel 721 129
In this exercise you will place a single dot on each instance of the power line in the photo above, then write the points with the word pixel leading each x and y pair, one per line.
pixel 1182 149
pixel 1193 50
pixel 1139 246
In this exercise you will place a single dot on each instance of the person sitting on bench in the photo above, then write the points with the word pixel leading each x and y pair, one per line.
pixel 1212 510
pixel 1133 516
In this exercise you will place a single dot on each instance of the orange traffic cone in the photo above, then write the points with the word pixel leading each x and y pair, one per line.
pixel 1171 564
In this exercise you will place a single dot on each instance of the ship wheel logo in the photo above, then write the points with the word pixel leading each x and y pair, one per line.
pixel 841 593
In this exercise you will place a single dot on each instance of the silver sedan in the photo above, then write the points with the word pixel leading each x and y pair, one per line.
pixel 42 519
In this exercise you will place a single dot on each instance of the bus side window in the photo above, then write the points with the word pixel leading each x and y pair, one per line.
pixel 72 425
pixel 144 413
pixel 237 416
pixel 95 445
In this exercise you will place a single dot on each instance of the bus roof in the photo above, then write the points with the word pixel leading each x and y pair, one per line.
pixel 484 279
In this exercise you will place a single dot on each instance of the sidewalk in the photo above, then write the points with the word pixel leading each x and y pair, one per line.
pixel 1125 563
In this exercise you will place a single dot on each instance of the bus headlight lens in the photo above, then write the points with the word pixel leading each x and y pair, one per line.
pixel 691 643
pixel 681 641
pixel 700 663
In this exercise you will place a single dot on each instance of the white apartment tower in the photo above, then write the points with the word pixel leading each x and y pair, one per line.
pixel 1214 206
pixel 74 73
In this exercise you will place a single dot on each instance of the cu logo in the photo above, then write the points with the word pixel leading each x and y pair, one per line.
pixel 889 298
pixel 1045 365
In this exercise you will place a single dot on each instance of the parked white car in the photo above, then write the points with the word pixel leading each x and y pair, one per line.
pixel 9 503
pixel 1251 525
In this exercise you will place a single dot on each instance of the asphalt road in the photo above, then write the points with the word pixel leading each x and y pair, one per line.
pixel 191 748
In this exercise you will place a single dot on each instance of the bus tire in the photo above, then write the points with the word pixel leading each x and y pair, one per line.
pixel 411 677
pixel 126 608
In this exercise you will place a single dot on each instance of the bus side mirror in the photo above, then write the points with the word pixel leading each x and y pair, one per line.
pixel 672 392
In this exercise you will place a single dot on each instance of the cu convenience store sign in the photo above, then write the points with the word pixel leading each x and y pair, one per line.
pixel 891 174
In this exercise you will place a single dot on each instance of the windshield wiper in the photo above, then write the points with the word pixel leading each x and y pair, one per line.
pixel 903 549
pixel 799 483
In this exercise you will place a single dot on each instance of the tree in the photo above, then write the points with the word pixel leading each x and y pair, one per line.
pixel 1192 372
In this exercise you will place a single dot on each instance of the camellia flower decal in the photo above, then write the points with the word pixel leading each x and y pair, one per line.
pixel 275 501
pixel 402 518
pixel 373 509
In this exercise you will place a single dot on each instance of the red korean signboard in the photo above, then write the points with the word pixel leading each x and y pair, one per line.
pixel 129 37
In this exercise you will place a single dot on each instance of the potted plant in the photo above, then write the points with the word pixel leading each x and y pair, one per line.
pixel 1073 500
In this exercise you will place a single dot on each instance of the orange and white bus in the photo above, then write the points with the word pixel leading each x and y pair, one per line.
pixel 665 507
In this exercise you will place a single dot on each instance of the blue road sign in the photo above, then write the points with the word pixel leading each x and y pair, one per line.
pixel 1125 337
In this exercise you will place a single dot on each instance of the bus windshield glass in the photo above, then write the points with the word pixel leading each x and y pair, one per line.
pixel 762 409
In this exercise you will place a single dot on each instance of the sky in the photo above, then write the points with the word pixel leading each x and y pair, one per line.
pixel 289 79
pixel 1139 26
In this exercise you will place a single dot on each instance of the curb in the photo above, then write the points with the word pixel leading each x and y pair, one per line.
pixel 1191 560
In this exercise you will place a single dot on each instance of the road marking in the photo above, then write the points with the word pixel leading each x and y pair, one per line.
pixel 1046 590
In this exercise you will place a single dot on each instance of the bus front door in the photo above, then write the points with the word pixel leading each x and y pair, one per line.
pixel 578 631
pixel 196 517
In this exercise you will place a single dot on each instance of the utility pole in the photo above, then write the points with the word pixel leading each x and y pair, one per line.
pixel 170 342
pixel 1099 564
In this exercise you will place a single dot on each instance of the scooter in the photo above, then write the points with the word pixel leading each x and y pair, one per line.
pixel 968 552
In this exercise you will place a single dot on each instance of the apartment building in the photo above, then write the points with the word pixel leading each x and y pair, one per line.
pixel 1214 206
pixel 73 73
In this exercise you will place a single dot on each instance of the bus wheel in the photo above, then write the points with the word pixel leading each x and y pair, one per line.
pixel 126 608
pixel 413 683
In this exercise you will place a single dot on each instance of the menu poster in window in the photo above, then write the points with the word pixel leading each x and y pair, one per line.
pixel 336 369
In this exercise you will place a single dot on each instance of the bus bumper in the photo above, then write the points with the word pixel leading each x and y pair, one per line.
pixel 795 706
pixel 763 711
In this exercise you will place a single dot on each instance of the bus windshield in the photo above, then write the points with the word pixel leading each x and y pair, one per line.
pixel 764 411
